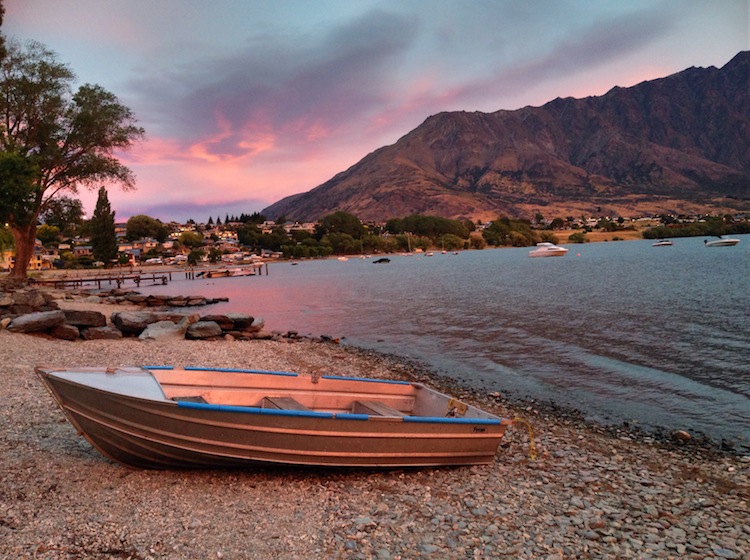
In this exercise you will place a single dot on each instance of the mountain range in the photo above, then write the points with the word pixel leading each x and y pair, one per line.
pixel 676 145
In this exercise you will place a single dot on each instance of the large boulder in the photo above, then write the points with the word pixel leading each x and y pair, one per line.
pixel 101 333
pixel 224 322
pixel 65 332
pixel 163 330
pixel 256 326
pixel 202 330
pixel 84 318
pixel 156 301
pixel 241 321
pixel 132 323
pixel 37 322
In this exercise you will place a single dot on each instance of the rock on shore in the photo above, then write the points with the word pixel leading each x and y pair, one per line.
pixel 587 495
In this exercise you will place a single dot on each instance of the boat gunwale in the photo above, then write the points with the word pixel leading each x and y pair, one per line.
pixel 335 415
pixel 280 373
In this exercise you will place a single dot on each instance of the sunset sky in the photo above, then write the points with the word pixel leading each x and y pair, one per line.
pixel 247 101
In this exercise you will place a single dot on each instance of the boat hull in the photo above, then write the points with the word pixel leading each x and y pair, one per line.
pixel 723 243
pixel 164 434
pixel 548 254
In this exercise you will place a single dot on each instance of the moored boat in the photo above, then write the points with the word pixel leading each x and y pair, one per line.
pixel 168 417
pixel 722 241
pixel 662 243
pixel 242 272
pixel 546 249
pixel 217 273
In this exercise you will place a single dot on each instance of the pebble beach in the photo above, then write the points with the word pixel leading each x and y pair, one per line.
pixel 586 492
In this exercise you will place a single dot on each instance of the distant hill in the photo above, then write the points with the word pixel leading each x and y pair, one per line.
pixel 679 144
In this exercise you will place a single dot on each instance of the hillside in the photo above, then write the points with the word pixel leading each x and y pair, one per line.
pixel 679 144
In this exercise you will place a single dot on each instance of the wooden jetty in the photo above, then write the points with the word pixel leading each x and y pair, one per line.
pixel 112 279
pixel 137 277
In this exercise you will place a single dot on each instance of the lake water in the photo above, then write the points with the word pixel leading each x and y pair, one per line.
pixel 623 331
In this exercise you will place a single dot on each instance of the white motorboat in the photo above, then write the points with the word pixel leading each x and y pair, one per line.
pixel 662 243
pixel 547 249
pixel 721 242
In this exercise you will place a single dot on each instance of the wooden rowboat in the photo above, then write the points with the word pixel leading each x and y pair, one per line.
pixel 166 417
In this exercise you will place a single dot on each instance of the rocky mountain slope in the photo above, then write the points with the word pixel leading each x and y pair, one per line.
pixel 679 144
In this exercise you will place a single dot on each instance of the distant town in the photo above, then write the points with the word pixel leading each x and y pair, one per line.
pixel 146 241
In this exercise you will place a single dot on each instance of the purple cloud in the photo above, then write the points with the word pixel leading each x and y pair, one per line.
pixel 285 90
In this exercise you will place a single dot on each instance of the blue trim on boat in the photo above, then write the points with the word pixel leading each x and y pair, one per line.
pixel 254 410
pixel 450 420
pixel 157 367
pixel 233 370
pixel 351 416
pixel 367 379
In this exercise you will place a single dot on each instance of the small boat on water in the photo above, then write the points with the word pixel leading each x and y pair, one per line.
pixel 547 249
pixel 216 273
pixel 722 241
pixel 228 272
pixel 662 243
pixel 172 417
pixel 242 272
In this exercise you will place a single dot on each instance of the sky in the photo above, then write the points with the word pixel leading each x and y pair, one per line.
pixel 245 102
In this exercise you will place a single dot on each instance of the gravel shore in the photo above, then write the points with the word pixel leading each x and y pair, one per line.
pixel 588 494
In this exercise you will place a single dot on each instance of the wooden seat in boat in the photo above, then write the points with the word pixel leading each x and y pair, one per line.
pixel 197 398
pixel 283 403
pixel 375 408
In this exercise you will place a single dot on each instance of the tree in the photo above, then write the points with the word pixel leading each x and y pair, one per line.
pixel 58 140
pixel 340 222
pixel 214 255
pixel 557 223
pixel 48 234
pixel 433 227
pixel 2 39
pixel 191 239
pixel 65 213
pixel 510 231
pixel 140 226
pixel 17 190
pixel 103 236
pixel 248 234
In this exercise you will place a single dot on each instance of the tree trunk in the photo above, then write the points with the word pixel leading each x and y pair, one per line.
pixel 24 237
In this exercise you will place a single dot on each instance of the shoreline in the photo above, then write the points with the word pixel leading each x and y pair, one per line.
pixel 588 493
pixel 416 370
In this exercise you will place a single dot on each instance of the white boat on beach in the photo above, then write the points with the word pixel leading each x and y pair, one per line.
pixel 722 241
pixel 170 417
pixel 547 249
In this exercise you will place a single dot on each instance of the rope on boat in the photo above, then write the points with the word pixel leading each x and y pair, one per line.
pixel 532 447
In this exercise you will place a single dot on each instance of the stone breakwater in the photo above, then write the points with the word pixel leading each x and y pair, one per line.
pixel 33 311
pixel 125 297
